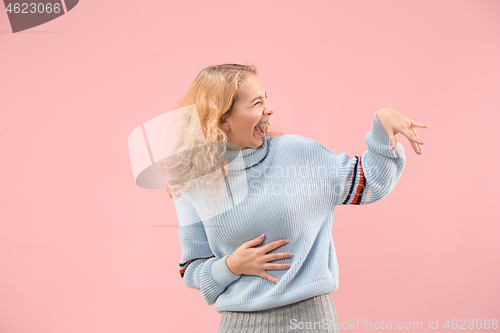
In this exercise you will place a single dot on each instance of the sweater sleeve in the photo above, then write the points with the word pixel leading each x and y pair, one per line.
pixel 373 175
pixel 199 267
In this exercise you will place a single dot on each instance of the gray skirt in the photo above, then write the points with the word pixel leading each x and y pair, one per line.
pixel 315 314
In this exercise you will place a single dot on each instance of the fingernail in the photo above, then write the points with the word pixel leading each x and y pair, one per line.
pixel 261 236
pixel 285 241
pixel 276 281
pixel 287 266
pixel 290 255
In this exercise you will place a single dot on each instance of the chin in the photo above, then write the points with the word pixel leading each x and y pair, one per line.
pixel 257 139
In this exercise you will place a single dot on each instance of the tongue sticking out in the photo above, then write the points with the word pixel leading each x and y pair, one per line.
pixel 259 130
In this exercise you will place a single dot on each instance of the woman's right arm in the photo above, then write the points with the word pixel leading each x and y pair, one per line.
pixel 199 267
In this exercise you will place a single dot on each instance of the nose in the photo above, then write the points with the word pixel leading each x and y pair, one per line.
pixel 268 110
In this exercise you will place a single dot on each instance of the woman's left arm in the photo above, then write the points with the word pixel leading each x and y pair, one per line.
pixel 368 178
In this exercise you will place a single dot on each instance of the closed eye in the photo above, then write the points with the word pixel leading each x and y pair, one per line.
pixel 258 102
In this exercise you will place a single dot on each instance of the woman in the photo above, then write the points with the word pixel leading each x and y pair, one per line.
pixel 282 187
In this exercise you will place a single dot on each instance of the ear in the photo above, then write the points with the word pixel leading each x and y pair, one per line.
pixel 224 124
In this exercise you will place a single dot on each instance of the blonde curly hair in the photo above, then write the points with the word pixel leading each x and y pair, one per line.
pixel 213 92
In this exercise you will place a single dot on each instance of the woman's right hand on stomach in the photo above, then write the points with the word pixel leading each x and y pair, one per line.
pixel 251 260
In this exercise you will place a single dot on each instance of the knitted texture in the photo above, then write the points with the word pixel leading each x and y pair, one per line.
pixel 287 188
pixel 316 314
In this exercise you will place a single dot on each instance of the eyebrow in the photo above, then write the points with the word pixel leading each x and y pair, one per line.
pixel 259 97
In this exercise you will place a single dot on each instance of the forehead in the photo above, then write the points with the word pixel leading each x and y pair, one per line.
pixel 251 87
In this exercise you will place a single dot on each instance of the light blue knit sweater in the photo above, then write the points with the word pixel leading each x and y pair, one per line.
pixel 287 188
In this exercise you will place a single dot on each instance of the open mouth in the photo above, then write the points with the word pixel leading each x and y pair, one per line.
pixel 259 129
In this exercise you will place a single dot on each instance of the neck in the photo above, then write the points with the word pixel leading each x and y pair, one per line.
pixel 248 157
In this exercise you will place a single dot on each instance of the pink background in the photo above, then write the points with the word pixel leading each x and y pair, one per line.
pixel 84 249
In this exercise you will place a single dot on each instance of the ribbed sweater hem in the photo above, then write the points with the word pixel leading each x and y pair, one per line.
pixel 314 288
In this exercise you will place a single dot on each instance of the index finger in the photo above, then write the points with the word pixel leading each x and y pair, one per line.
pixel 273 245
pixel 417 124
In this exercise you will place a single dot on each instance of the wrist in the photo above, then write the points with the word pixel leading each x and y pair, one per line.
pixel 230 265
pixel 381 113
